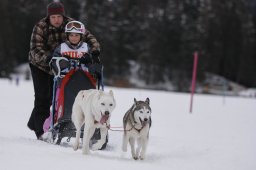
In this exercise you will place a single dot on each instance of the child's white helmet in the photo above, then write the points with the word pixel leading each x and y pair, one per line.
pixel 75 27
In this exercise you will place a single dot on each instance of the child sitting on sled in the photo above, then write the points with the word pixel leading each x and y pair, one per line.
pixel 70 53
pixel 73 49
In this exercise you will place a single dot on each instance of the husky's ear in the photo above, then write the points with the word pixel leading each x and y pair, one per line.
pixel 147 101
pixel 135 101
pixel 111 93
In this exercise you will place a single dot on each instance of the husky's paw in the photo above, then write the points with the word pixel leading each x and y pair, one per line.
pixel 135 158
pixel 86 152
pixel 96 146
pixel 75 146
pixel 124 149
pixel 142 157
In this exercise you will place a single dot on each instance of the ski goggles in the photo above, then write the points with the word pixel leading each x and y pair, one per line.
pixel 74 25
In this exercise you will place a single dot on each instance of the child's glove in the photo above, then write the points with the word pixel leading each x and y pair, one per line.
pixel 85 59
pixel 66 56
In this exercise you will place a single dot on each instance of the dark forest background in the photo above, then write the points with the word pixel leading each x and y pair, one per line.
pixel 159 35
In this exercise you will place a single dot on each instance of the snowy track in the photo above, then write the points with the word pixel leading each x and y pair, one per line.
pixel 217 136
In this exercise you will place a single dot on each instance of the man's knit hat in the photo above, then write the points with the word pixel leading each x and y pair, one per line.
pixel 55 8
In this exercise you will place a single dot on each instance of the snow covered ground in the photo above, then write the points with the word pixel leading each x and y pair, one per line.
pixel 219 134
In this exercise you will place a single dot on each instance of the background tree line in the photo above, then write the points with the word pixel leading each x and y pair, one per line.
pixel 160 36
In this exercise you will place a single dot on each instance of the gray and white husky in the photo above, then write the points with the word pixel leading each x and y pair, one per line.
pixel 137 122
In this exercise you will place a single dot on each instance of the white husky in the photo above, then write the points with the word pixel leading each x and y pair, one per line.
pixel 92 108
pixel 137 122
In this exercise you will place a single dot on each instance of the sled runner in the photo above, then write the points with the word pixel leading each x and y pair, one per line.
pixel 71 77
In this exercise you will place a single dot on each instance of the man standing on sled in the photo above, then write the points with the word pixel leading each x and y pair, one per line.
pixel 47 34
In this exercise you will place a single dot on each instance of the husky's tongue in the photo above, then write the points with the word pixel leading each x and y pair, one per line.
pixel 104 119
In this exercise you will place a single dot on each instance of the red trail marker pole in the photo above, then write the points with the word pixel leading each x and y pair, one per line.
pixel 193 83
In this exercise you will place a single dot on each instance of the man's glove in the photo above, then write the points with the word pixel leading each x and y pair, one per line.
pixel 95 56
pixel 85 59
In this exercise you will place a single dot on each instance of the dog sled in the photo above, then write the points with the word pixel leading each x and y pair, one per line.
pixel 70 77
